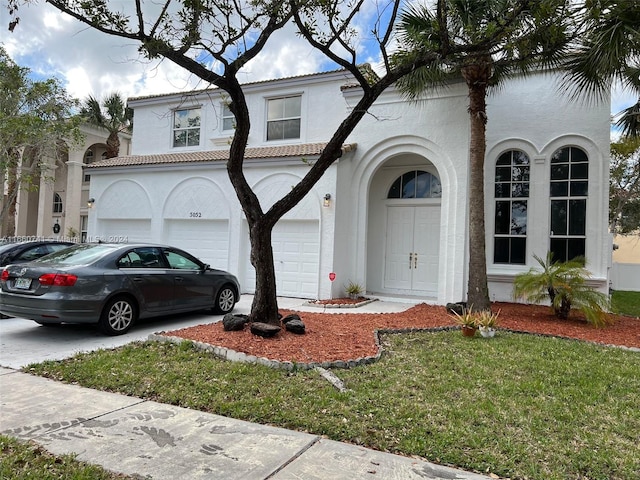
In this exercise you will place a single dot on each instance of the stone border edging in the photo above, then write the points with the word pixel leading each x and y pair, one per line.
pixel 235 356
pixel 340 305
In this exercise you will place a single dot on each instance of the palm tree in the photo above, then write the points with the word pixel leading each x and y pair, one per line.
pixel 609 50
pixel 484 42
pixel 116 118
pixel 565 283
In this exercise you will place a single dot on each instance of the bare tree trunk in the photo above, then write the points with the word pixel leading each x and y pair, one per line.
pixel 477 76
pixel 265 305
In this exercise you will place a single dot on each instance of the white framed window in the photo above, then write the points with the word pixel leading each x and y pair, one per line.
pixel 568 191
pixel 84 222
pixel 88 156
pixel 186 127
pixel 511 196
pixel 284 117
pixel 228 119
pixel 415 184
pixel 57 203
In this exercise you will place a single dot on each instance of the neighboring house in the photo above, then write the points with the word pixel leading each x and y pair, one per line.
pixel 57 203
pixel 391 214
pixel 625 271
pixel 628 248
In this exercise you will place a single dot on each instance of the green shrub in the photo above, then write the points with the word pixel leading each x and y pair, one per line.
pixel 565 284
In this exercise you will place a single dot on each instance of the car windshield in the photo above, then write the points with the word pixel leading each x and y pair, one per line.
pixel 79 255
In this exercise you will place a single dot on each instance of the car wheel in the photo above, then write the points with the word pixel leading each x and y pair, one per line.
pixel 226 300
pixel 118 316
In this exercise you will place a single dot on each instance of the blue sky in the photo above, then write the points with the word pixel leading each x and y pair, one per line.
pixel 89 62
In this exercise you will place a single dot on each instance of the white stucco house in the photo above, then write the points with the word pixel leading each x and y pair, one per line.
pixel 391 214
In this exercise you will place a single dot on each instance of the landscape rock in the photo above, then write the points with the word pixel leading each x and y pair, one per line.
pixel 293 316
pixel 295 326
pixel 264 329
pixel 232 323
pixel 460 307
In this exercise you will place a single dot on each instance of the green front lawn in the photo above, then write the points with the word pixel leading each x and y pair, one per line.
pixel 626 303
pixel 518 406
pixel 27 461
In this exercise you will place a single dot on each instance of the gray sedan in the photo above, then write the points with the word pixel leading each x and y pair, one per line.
pixel 113 285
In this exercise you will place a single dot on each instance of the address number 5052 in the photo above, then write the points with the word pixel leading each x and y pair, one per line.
pixel 195 214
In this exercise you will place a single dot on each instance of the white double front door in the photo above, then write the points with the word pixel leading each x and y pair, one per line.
pixel 412 249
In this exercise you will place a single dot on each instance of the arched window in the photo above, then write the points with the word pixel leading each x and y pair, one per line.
pixel 511 194
pixel 57 203
pixel 88 156
pixel 568 192
pixel 416 184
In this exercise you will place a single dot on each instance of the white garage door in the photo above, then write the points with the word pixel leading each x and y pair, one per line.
pixel 123 230
pixel 296 252
pixel 206 239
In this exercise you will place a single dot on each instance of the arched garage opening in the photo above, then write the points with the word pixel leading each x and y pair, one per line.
pixel 196 219
pixel 295 240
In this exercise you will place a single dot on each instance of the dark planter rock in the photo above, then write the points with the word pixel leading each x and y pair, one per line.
pixel 264 329
pixel 295 326
pixel 293 316
pixel 460 308
pixel 232 323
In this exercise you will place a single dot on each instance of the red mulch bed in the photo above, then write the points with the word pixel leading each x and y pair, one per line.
pixel 349 336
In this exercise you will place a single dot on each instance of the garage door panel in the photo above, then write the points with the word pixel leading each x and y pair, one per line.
pixel 123 230
pixel 296 253
pixel 206 239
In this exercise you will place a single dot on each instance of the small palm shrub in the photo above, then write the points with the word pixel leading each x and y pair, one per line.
pixel 565 284
pixel 353 289
pixel 487 319
pixel 466 319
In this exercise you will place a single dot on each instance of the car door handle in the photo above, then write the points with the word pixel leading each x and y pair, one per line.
pixel 179 279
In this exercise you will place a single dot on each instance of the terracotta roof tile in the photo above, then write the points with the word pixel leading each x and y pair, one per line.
pixel 281 151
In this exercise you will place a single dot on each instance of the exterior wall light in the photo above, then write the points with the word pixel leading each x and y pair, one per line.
pixel 326 202
pixel 90 202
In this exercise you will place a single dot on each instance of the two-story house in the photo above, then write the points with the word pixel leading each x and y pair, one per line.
pixel 391 214
pixel 54 203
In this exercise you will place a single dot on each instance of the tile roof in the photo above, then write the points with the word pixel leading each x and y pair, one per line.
pixel 214 88
pixel 281 151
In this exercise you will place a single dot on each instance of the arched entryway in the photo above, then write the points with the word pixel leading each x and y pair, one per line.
pixel 404 228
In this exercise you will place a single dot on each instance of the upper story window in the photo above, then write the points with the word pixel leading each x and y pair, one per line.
pixel 283 117
pixel 88 156
pixel 57 203
pixel 228 119
pixel 186 127
pixel 416 184
pixel 511 194
pixel 568 192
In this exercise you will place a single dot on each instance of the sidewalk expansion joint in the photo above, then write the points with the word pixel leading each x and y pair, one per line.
pixel 293 458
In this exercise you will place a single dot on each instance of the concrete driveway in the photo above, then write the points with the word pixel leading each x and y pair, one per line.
pixel 24 341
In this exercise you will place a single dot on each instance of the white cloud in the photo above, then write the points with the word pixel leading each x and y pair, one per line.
pixel 87 61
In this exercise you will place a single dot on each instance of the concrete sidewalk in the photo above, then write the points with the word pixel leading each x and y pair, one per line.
pixel 152 440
